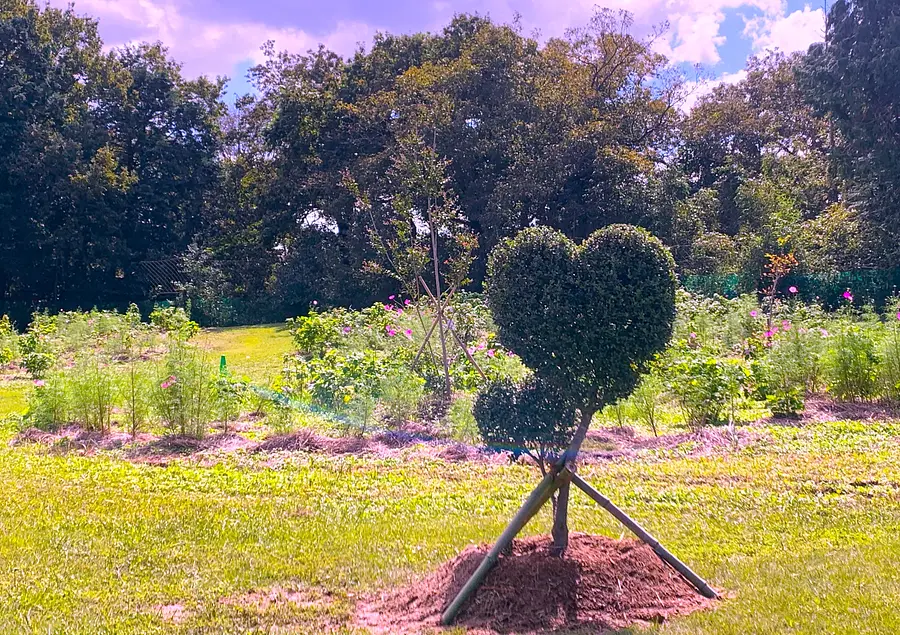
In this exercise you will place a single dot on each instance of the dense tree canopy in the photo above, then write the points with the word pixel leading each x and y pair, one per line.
pixel 110 159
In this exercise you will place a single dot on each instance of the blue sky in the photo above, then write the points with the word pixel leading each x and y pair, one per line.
pixel 222 37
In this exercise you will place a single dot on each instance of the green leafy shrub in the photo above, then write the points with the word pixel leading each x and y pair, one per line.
pixel 646 401
pixel 174 321
pixel 136 391
pixel 400 395
pixel 544 418
pixel 184 390
pixel 704 384
pixel 38 355
pixel 587 319
pixel 92 383
pixel 317 332
pixel 786 403
pixel 48 403
pixel 9 341
pixel 850 363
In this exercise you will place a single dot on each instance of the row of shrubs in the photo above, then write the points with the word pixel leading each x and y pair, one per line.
pixel 729 355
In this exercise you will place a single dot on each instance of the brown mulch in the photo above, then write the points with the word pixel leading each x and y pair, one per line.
pixel 623 442
pixel 600 584
pixel 825 410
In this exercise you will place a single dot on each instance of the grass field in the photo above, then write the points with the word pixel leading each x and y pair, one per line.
pixel 801 529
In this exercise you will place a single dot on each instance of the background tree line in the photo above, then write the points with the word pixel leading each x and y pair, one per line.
pixel 113 160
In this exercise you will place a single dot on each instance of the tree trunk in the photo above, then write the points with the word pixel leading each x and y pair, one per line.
pixel 560 531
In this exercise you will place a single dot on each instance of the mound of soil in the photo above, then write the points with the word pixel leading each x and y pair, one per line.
pixel 600 584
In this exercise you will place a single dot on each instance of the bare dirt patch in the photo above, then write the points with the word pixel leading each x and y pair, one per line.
pixel 825 410
pixel 173 613
pixel 600 584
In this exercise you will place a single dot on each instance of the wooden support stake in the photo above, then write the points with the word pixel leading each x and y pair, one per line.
pixel 535 501
pixel 641 533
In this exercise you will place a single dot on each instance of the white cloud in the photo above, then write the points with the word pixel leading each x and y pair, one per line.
pixel 207 47
pixel 787 33
pixel 699 89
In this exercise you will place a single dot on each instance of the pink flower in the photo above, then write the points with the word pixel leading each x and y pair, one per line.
pixel 823 332
pixel 347 329
pixel 315 303
pixel 490 352
pixel 391 330
pixel 898 315
pixel 693 336
pixel 408 334
pixel 786 325
pixel 848 296
pixel 754 313
pixel 792 289
pixel 391 297
pixel 407 302
pixel 481 347
pixel 509 353
pixel 39 383
pixel 471 350
pixel 388 307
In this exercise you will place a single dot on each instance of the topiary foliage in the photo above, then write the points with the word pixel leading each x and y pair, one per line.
pixel 586 318
pixel 543 419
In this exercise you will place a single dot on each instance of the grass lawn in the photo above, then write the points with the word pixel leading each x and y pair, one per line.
pixel 802 529
pixel 256 351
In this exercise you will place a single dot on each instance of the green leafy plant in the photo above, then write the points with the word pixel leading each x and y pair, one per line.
pixel 48 402
pixel 184 390
pixel 850 363
pixel 587 319
pixel 174 321
pixel 92 383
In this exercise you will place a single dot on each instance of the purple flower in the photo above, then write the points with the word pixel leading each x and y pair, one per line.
pixel 848 296
pixel 347 329
pixel 509 353
pixel 39 383
pixel 898 315
pixel 754 313
pixel 792 289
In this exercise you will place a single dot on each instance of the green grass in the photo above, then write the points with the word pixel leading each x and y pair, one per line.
pixel 256 351
pixel 803 532
pixel 801 529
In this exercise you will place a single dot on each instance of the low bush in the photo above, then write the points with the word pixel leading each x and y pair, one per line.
pixel 92 385
pixel 185 390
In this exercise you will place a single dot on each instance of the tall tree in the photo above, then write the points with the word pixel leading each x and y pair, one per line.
pixel 852 78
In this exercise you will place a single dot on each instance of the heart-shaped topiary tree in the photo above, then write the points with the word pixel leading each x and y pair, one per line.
pixel 585 318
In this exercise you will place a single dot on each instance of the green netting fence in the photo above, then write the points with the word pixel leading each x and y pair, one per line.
pixel 875 286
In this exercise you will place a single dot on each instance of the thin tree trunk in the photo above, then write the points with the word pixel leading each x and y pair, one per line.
pixel 560 531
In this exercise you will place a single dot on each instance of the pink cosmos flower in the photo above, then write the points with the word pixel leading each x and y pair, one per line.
pixel 792 289
pixel 481 347
pixel 898 315
pixel 347 329
pixel 490 352
pixel 39 383
pixel 823 332
pixel 509 353
pixel 848 296
pixel 388 307
pixel 693 336
pixel 407 302
pixel 471 350
pixel 391 297
pixel 786 325
pixel 769 333
pixel 754 313
pixel 391 330
pixel 315 303
pixel 408 334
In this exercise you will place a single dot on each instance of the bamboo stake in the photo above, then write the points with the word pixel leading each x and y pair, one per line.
pixel 535 501
pixel 664 554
